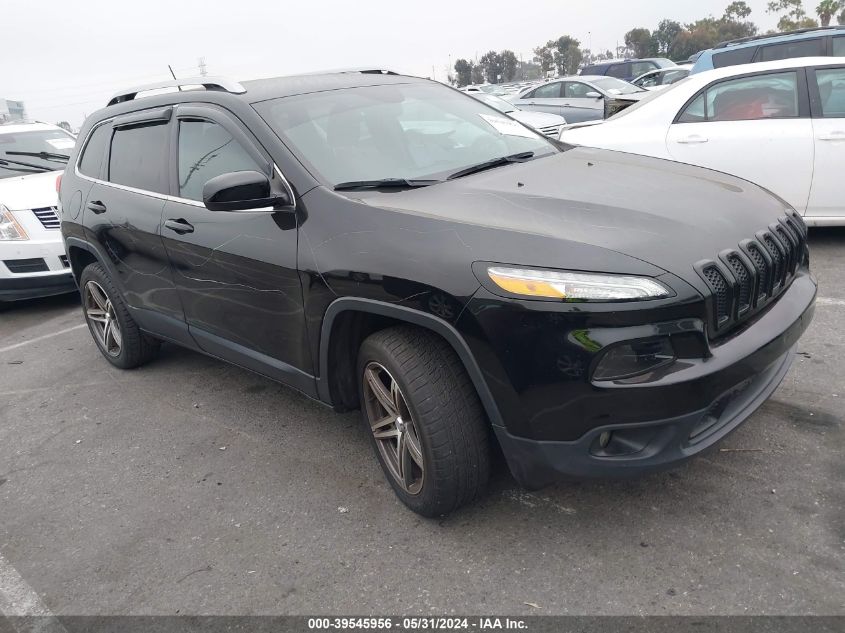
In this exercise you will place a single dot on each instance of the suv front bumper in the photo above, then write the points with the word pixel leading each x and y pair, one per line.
pixel 710 398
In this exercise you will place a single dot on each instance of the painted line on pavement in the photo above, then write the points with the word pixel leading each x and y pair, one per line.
pixel 9 348
pixel 23 607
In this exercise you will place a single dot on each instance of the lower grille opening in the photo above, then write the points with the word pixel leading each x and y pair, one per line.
pixel 20 266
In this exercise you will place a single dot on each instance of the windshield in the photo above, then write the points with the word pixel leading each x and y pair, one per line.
pixel 414 131
pixel 615 86
pixel 24 152
pixel 495 102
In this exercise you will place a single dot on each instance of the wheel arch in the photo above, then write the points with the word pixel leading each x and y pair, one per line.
pixel 344 312
pixel 81 254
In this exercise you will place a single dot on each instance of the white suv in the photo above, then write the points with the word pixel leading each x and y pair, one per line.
pixel 32 256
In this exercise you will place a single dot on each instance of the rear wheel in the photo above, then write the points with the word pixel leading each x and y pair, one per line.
pixel 424 418
pixel 112 327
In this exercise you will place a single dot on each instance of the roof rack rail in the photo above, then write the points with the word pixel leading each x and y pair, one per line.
pixel 220 84
pixel 365 70
pixel 766 36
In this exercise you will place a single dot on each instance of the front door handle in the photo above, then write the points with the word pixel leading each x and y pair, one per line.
pixel 836 135
pixel 693 139
pixel 180 226
pixel 97 207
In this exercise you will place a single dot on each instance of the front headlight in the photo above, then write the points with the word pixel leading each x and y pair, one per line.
pixel 9 227
pixel 549 284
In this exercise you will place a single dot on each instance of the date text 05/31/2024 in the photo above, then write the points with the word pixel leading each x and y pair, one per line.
pixel 417 624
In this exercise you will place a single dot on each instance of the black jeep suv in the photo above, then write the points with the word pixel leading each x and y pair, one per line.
pixel 388 243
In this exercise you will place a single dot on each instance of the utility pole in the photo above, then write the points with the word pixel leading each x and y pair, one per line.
pixel 202 67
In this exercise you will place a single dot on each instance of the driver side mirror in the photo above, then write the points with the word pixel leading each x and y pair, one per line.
pixel 593 95
pixel 240 191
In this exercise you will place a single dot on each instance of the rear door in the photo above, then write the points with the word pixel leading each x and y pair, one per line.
pixel 577 106
pixel 756 127
pixel 123 215
pixel 827 90
pixel 236 271
pixel 545 98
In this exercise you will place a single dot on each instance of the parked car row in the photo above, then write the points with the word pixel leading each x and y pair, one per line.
pixel 779 124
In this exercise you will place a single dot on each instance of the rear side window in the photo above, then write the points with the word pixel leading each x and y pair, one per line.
pixel 638 68
pixel 839 46
pixel 206 150
pixel 138 155
pixel 590 70
pixel 832 92
pixel 790 50
pixel 746 99
pixel 620 71
pixel 734 57
pixel 95 148
pixel 549 91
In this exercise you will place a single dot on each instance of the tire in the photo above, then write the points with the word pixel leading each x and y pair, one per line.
pixel 126 347
pixel 446 454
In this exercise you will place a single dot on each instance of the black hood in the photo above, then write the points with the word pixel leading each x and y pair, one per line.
pixel 664 213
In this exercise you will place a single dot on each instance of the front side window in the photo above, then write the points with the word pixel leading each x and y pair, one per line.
pixel 648 81
pixel 415 131
pixel 95 148
pixel 770 96
pixel 790 50
pixel 832 92
pixel 839 46
pixel 26 151
pixel 137 157
pixel 576 90
pixel 206 150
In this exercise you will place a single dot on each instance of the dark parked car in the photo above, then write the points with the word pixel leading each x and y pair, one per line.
pixel 626 69
pixel 388 243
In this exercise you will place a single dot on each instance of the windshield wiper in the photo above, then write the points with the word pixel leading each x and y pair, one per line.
pixel 44 155
pixel 4 162
pixel 489 164
pixel 384 183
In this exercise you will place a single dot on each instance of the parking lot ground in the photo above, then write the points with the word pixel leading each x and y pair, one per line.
pixel 194 487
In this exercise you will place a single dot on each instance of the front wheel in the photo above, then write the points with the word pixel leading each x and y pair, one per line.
pixel 424 418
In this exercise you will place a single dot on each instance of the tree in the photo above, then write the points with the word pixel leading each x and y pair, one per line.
pixel 463 71
pixel 827 9
pixel 737 11
pixel 567 55
pixel 491 66
pixel 509 65
pixel 841 17
pixel 477 74
pixel 639 41
pixel 544 56
pixel 794 16
pixel 665 34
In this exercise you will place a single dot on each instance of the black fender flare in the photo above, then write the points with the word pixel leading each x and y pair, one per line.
pixel 85 245
pixel 414 317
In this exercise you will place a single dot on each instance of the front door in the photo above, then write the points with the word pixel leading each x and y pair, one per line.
pixel 755 127
pixel 577 106
pixel 826 198
pixel 236 271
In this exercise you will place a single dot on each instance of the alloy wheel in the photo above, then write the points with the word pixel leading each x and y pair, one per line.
pixel 99 311
pixel 393 428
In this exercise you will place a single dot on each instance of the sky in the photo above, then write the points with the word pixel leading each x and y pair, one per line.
pixel 65 59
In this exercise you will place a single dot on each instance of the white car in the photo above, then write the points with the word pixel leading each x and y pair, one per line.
pixel 779 124
pixel 545 123
pixel 32 256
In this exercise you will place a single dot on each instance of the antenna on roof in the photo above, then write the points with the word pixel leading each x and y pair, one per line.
pixel 170 68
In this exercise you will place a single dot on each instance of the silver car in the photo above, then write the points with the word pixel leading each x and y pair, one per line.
pixel 545 123
pixel 580 98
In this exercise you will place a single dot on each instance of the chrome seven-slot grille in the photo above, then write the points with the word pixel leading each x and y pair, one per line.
pixel 745 279
pixel 48 217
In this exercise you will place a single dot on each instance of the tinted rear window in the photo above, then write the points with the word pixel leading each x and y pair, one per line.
pixel 790 50
pixel 620 71
pixel 95 148
pixel 138 155
pixel 734 57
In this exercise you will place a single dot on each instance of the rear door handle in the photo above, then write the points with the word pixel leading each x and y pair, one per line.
pixel 693 139
pixel 180 226
pixel 96 206
pixel 836 135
